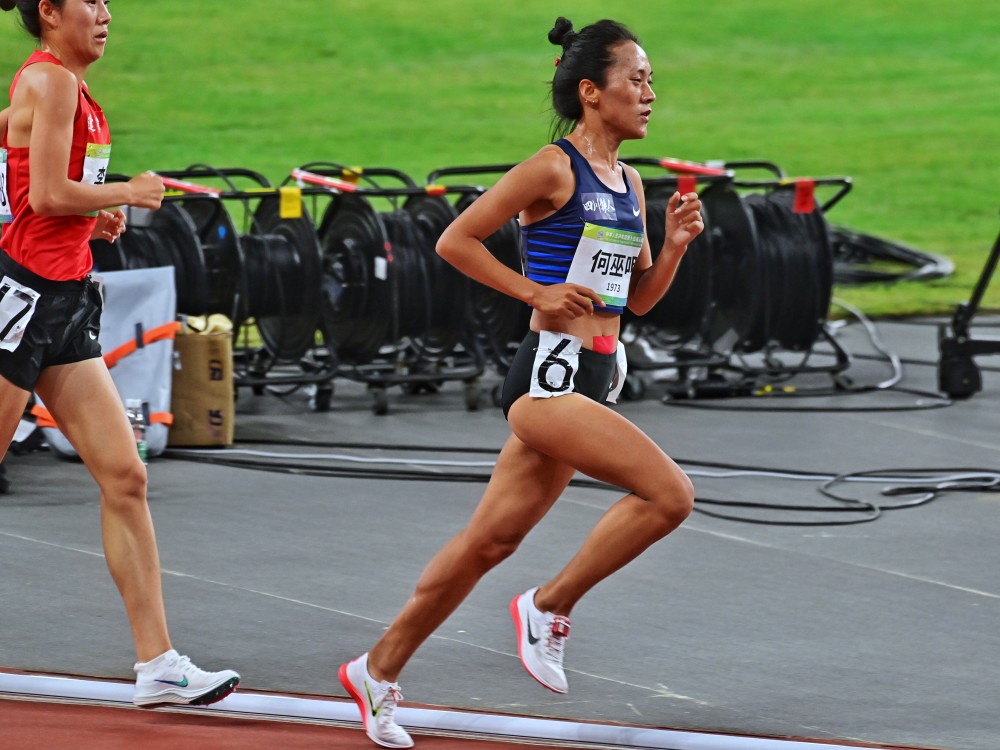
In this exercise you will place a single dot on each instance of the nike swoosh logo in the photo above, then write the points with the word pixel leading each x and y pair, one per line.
pixel 532 639
pixel 176 683
pixel 370 701
pixel 635 211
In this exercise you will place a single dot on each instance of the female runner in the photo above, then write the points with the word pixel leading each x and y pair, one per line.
pixel 582 214
pixel 58 146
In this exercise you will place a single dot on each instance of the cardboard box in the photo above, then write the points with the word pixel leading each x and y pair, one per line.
pixel 202 396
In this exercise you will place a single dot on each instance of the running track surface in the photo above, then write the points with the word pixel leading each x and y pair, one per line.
pixel 50 712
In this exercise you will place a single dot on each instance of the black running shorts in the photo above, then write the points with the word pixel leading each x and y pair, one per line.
pixel 593 378
pixel 44 323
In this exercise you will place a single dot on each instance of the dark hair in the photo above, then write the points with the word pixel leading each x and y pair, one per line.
pixel 587 54
pixel 29 14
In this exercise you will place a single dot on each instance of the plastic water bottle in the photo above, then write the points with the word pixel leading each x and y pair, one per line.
pixel 137 418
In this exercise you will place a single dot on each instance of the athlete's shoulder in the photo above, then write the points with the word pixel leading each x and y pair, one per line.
pixel 48 78
pixel 549 161
pixel 632 172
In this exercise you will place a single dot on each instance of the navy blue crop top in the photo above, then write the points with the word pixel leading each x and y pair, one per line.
pixel 597 235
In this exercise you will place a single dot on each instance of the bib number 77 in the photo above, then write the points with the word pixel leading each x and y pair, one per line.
pixel 17 304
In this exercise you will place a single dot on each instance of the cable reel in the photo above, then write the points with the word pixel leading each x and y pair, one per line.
pixel 796 256
pixel 500 322
pixel 166 237
pixel 397 312
pixel 289 250
pixel 683 311
pixel 450 301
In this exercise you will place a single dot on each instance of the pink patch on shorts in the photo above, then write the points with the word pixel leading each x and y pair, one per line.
pixel 605 344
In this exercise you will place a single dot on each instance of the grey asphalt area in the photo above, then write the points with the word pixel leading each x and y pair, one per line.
pixel 882 630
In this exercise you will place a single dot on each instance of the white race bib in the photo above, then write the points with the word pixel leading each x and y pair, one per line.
pixel 17 305
pixel 95 165
pixel 6 213
pixel 603 262
pixel 556 361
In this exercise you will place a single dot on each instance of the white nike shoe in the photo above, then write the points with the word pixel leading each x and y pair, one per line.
pixel 172 678
pixel 377 700
pixel 541 639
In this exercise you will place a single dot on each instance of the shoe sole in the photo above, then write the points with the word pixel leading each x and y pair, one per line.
pixel 515 613
pixel 362 706
pixel 214 695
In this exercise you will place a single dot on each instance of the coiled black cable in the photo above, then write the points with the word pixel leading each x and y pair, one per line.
pixel 501 321
pixel 797 264
pixel 288 328
pixel 358 279
pixel 739 280
pixel 450 304
pixel 683 311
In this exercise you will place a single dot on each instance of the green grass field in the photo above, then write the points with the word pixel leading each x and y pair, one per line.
pixel 902 96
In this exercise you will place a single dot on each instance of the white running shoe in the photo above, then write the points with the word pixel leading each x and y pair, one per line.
pixel 541 639
pixel 172 678
pixel 377 701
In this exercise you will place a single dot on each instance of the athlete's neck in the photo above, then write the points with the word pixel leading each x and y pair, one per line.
pixel 601 152
pixel 76 67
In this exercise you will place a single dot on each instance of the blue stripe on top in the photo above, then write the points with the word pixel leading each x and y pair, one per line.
pixel 550 243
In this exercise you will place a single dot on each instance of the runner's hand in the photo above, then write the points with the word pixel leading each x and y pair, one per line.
pixel 684 220
pixel 147 190
pixel 110 225
pixel 566 300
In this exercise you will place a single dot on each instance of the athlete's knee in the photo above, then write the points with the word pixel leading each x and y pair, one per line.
pixel 489 550
pixel 123 485
pixel 675 500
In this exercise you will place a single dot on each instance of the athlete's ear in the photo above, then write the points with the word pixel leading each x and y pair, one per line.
pixel 49 14
pixel 588 91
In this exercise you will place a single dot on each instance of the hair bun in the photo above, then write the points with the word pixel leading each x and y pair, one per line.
pixel 562 33
pixel 7 4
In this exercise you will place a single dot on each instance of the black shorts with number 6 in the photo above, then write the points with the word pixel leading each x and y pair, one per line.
pixel 592 379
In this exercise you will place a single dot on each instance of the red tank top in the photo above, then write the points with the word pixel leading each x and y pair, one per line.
pixel 56 247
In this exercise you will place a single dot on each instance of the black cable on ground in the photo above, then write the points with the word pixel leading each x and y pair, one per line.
pixel 926 399
pixel 924 490
pixel 862 259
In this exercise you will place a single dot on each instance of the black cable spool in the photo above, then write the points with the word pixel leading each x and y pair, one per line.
pixel 289 315
pixel 356 299
pixel 108 256
pixel 411 299
pixel 739 276
pixel 501 321
pixel 170 239
pixel 684 309
pixel 450 300
pixel 223 258
pixel 797 258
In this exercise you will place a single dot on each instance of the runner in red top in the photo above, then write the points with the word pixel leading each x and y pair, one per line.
pixel 53 200
pixel 57 247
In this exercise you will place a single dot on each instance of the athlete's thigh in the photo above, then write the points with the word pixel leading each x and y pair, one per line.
pixel 523 487
pixel 595 440
pixel 13 399
pixel 82 399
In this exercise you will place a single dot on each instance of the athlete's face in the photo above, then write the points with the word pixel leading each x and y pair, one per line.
pixel 627 97
pixel 78 28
